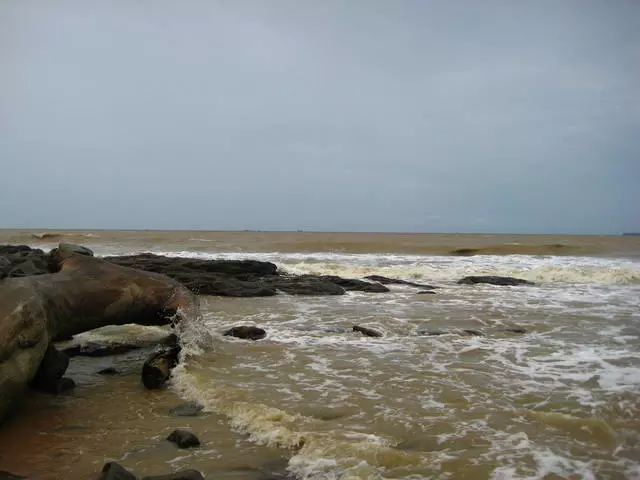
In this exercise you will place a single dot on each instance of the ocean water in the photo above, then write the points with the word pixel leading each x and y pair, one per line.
pixel 318 401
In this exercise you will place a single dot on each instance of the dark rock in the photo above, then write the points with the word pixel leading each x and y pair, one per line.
pixel 64 385
pixel 395 281
pixel 465 252
pixel 493 280
pixel 189 409
pixel 367 331
pixel 471 333
pixel 425 292
pixel 64 251
pixel 170 340
pixel 51 370
pixel 247 332
pixel 157 368
pixel 114 471
pixel 183 439
pixel 95 349
pixel 22 261
pixel 351 284
pixel 306 285
pixel 108 371
pixel 514 330
pixel 9 476
pixel 182 475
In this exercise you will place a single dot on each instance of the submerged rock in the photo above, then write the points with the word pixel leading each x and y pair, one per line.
pixel 114 471
pixel 9 476
pixel 184 439
pixel 306 285
pixel 494 280
pixel 425 292
pixel 368 332
pixel 182 475
pixel 351 284
pixel 189 409
pixel 108 371
pixel 514 330
pixel 246 332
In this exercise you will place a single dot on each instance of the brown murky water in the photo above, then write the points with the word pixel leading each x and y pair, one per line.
pixel 321 401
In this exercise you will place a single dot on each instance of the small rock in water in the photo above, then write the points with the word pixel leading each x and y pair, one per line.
pixel 472 333
pixel 247 332
pixel 366 331
pixel 425 292
pixel 514 330
pixel 493 280
pixel 183 439
pixel 433 333
pixel 183 475
pixel 189 409
pixel 157 368
pixel 108 371
pixel 96 349
pixel 114 471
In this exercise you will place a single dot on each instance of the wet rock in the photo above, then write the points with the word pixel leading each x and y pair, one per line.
pixel 471 333
pixel 65 384
pixel 366 331
pixel 9 476
pixel 108 371
pixel 514 330
pixel 22 261
pixel 246 332
pixel 189 409
pixel 184 439
pixel 182 475
pixel 96 349
pixel 306 285
pixel 51 370
pixel 157 368
pixel 494 280
pixel 114 471
pixel 425 292
pixel 465 252
pixel 170 340
pixel 396 281
pixel 351 284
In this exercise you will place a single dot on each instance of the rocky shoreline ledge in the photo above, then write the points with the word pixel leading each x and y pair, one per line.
pixel 46 297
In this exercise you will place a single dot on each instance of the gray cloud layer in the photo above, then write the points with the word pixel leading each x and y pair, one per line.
pixel 409 115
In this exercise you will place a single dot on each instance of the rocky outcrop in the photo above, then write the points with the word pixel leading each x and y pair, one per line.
pixel 85 293
pixel 243 278
pixel 22 261
pixel 494 280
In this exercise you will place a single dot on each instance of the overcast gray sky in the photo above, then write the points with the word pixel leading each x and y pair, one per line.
pixel 434 116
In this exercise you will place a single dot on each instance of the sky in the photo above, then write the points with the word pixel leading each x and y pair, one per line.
pixel 360 115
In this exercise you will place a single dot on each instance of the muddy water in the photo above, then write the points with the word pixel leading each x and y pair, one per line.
pixel 320 401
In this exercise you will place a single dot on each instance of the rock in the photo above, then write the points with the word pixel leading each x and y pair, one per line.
pixel 22 261
pixel 433 333
pixel 247 332
pixel 425 292
pixel 182 475
pixel 471 333
pixel 108 371
pixel 306 285
pixel 96 349
pixel 114 471
pixel 465 252
pixel 9 476
pixel 395 281
pixel 170 340
pixel 85 293
pixel 64 385
pixel 157 368
pixel 51 370
pixel 493 280
pixel 351 284
pixel 367 331
pixel 183 439
pixel 189 409
pixel 514 330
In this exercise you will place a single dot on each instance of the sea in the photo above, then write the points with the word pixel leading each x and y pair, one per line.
pixel 316 400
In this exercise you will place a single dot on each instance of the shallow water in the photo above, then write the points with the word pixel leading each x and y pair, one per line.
pixel 324 402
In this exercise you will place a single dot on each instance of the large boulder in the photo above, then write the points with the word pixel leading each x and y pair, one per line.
pixel 85 293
